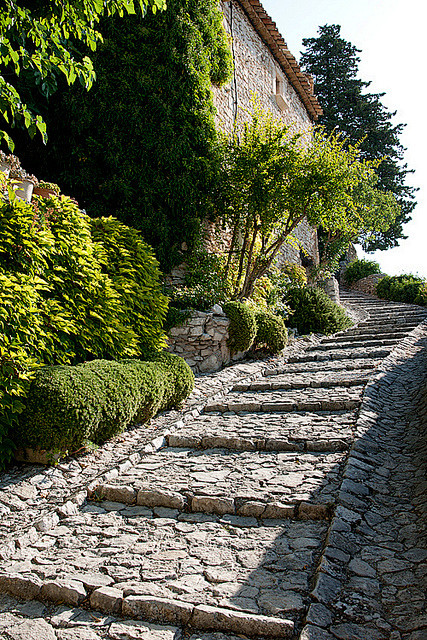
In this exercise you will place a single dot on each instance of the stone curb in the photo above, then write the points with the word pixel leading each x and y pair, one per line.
pixel 248 444
pixel 248 507
pixel 350 509
pixel 112 601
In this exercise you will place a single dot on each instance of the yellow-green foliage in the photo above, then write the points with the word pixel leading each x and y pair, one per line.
pixel 57 303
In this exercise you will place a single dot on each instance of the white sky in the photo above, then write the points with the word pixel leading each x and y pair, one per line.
pixel 391 36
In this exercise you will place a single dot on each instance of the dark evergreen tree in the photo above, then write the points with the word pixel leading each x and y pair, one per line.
pixel 141 145
pixel 361 117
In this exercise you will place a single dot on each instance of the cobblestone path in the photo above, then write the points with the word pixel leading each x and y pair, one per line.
pixel 293 506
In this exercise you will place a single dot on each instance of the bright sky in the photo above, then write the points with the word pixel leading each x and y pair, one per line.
pixel 391 36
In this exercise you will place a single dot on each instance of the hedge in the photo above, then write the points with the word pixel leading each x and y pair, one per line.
pixel 242 329
pixel 271 332
pixel 314 312
pixel 68 406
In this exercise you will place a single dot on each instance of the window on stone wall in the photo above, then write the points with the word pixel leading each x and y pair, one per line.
pixel 279 93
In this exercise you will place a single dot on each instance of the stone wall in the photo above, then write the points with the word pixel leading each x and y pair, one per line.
pixel 257 73
pixel 202 340
pixel 331 287
pixel 368 284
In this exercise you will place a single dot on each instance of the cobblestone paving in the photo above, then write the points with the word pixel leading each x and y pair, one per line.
pixel 293 506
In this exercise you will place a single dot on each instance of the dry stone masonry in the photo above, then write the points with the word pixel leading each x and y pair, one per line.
pixel 293 505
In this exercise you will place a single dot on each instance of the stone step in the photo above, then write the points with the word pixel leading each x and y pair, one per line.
pixel 313 399
pixel 353 344
pixel 304 380
pixel 225 574
pixel 390 318
pixel 257 484
pixel 303 431
pixel 315 366
pixel 341 354
pixel 365 334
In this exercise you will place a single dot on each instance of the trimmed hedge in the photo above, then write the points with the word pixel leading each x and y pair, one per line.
pixel 271 332
pixel 242 329
pixel 404 288
pixel 314 312
pixel 359 269
pixel 68 406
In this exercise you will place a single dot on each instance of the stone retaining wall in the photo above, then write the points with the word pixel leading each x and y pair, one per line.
pixel 368 284
pixel 202 340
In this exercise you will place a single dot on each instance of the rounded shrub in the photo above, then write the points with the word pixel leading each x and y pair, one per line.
pixel 242 329
pixel 67 406
pixel 271 332
pixel 360 269
pixel 179 376
pixel 314 312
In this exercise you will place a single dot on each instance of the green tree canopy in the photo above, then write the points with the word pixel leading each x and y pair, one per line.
pixel 36 42
pixel 361 118
pixel 274 178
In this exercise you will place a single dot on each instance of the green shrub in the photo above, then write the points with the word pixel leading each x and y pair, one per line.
pixel 242 330
pixel 150 160
pixel 313 311
pixel 360 269
pixel 271 332
pixel 69 405
pixel 196 297
pixel 404 288
pixel 58 305
pixel 175 317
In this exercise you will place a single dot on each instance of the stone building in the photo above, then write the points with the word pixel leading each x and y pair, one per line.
pixel 264 66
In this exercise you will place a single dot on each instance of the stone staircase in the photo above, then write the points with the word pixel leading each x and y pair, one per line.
pixel 224 529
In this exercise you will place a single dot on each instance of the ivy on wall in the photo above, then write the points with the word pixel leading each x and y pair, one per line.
pixel 142 144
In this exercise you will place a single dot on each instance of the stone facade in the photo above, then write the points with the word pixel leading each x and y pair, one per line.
pixel 258 73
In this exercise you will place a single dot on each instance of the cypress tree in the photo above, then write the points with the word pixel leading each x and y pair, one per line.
pixel 361 118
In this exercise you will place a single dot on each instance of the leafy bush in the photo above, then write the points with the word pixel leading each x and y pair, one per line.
pixel 150 160
pixel 204 284
pixel 313 311
pixel 271 332
pixel 57 303
pixel 196 297
pixel 69 405
pixel 360 269
pixel 404 288
pixel 242 330
pixel 134 272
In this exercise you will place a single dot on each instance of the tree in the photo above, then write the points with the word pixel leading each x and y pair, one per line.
pixel 273 178
pixel 361 118
pixel 36 42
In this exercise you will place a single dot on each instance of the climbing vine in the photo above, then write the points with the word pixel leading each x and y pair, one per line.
pixel 141 145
